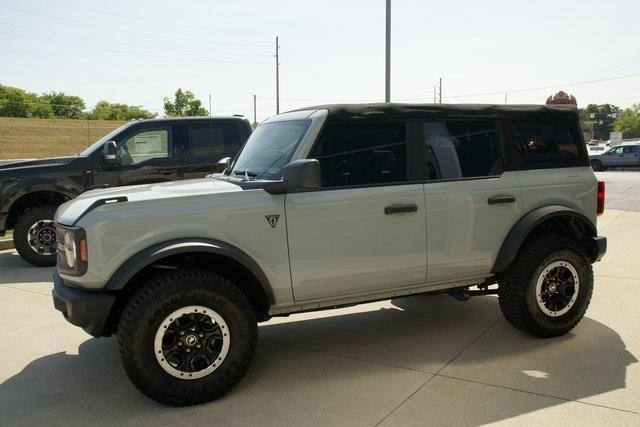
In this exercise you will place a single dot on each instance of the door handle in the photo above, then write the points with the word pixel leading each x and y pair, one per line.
pixel 501 198
pixel 400 208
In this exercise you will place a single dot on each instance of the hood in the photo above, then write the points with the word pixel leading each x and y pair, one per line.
pixel 54 161
pixel 69 213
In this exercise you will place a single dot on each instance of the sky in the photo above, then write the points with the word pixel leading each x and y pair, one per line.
pixel 138 52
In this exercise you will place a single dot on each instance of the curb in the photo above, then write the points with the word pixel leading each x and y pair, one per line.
pixel 6 244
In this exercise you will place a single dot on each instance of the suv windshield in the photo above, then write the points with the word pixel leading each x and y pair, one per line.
pixel 269 148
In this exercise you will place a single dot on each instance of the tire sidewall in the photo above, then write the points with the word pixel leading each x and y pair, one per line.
pixel 241 338
pixel 576 312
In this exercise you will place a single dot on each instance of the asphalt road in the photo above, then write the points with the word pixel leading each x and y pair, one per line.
pixel 622 190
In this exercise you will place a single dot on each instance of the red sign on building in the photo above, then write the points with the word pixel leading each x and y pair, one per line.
pixel 562 98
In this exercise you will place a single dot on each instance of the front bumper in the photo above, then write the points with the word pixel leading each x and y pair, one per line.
pixel 87 309
pixel 599 247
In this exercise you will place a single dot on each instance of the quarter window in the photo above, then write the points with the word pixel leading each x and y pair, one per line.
pixel 547 144
pixel 462 149
pixel 362 153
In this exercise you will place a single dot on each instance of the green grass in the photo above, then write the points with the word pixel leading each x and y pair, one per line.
pixel 37 138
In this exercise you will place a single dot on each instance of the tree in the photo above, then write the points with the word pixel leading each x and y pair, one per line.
pixel 16 102
pixel 184 104
pixel 628 122
pixel 598 119
pixel 65 106
pixel 105 110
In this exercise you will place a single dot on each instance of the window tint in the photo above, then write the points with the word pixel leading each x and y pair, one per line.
pixel 462 149
pixel 145 145
pixel 362 153
pixel 629 149
pixel 550 143
pixel 205 139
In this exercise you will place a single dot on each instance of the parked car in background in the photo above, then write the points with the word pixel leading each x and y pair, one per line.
pixel 596 149
pixel 623 155
pixel 138 152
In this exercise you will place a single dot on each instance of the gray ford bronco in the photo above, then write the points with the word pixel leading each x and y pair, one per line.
pixel 332 206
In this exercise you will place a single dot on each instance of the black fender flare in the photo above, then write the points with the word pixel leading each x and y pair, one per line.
pixel 148 256
pixel 521 230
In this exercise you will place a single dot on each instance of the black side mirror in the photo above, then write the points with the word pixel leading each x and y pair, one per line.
pixel 110 153
pixel 299 175
pixel 223 164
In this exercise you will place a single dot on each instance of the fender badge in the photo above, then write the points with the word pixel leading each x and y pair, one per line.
pixel 272 220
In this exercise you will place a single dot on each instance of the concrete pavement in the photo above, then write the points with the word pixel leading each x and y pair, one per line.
pixel 409 361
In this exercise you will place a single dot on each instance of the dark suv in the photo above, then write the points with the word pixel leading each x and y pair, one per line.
pixel 138 152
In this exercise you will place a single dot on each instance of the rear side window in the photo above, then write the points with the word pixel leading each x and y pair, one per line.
pixel 362 153
pixel 630 149
pixel 462 149
pixel 542 144
pixel 205 139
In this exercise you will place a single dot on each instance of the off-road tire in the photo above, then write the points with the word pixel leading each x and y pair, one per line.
pixel 158 298
pixel 517 291
pixel 597 165
pixel 21 235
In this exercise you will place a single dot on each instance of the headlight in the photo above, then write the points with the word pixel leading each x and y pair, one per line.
pixel 70 251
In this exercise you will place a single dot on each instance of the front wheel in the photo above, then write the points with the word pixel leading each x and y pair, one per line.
pixel 34 236
pixel 187 337
pixel 596 165
pixel 547 290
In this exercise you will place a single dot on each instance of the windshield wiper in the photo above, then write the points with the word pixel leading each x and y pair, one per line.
pixel 247 174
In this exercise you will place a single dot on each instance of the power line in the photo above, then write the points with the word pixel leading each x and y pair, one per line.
pixel 102 27
pixel 531 89
pixel 105 40
pixel 124 52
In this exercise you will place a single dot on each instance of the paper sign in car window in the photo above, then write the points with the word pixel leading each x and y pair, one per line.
pixel 148 143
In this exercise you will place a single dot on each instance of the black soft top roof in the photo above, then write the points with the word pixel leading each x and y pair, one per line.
pixel 345 112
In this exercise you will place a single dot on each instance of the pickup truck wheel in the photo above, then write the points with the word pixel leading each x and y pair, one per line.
pixel 34 236
pixel 187 337
pixel 547 289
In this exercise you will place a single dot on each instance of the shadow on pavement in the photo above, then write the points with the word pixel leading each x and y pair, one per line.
pixel 91 387
pixel 13 269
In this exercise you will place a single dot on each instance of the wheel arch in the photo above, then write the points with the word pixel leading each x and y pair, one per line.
pixel 35 197
pixel 561 218
pixel 220 257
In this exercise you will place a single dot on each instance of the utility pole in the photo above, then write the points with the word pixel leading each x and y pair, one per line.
pixel 277 77
pixel 254 109
pixel 440 90
pixel 505 97
pixel 209 105
pixel 434 94
pixel 387 83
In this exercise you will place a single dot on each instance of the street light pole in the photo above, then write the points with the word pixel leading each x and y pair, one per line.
pixel 387 91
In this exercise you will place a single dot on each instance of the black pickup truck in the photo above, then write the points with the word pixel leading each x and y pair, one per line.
pixel 138 152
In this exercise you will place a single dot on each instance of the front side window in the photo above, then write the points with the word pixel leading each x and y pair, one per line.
pixel 462 149
pixel 269 148
pixel 362 153
pixel 547 143
pixel 145 145
pixel 617 150
pixel 206 139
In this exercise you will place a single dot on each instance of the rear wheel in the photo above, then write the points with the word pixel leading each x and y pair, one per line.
pixel 187 337
pixel 547 290
pixel 34 236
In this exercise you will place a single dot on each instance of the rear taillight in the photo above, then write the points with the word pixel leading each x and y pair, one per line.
pixel 600 197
